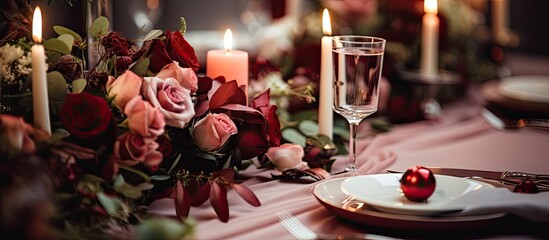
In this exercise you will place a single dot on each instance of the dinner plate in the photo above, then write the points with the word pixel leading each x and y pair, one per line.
pixel 329 195
pixel 382 191
pixel 526 88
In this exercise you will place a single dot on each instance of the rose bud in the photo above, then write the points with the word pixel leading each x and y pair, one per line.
pixel 68 67
pixel 418 183
pixel 287 156
pixel 212 131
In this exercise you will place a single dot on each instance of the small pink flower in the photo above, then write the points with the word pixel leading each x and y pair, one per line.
pixel 131 149
pixel 124 88
pixel 287 156
pixel 144 119
pixel 212 131
pixel 185 76
pixel 173 101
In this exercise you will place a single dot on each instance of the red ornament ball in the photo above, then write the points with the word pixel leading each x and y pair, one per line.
pixel 418 183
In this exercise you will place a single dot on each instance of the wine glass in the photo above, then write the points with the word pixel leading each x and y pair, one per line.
pixel 357 62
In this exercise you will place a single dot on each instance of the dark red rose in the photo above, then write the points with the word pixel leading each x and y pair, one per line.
pixel 253 141
pixel 180 50
pixel 122 63
pixel 84 115
pixel 116 44
pixel 68 67
pixel 174 48
pixel 272 125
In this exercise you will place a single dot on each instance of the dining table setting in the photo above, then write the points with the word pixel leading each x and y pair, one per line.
pixel 461 146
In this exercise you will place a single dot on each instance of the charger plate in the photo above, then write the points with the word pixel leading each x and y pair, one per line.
pixel 329 194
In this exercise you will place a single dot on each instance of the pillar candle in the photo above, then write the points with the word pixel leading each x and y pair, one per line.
pixel 40 108
pixel 325 103
pixel 232 64
pixel 429 40
pixel 499 19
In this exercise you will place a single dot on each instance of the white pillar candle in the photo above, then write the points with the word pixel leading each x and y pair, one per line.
pixel 325 102
pixel 429 40
pixel 232 64
pixel 39 82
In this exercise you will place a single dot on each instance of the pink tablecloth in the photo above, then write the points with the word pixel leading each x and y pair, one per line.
pixel 460 139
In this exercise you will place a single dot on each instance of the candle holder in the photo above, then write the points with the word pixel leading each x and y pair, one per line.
pixel 416 96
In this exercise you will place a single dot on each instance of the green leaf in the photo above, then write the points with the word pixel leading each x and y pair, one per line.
pixel 67 39
pixel 293 136
pixel 308 127
pixel 111 204
pixel 160 177
pixel 63 30
pixel 140 67
pixel 57 86
pixel 99 27
pixel 163 228
pixel 175 162
pixel 342 132
pixel 56 45
pixel 79 85
pixel 137 172
pixel 183 26
pixel 153 34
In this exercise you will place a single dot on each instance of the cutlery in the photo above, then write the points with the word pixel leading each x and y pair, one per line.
pixel 502 124
pixel 511 178
pixel 301 232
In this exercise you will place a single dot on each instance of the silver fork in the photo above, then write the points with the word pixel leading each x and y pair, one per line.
pixel 294 226
pixel 301 232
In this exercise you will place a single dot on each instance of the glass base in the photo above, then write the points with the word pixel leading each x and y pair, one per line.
pixel 351 168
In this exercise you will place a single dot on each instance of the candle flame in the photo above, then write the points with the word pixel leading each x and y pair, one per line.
pixel 430 6
pixel 37 25
pixel 228 40
pixel 326 25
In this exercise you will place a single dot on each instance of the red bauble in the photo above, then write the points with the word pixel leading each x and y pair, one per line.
pixel 418 183
pixel 526 186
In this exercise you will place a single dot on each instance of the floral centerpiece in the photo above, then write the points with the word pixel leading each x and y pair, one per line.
pixel 141 125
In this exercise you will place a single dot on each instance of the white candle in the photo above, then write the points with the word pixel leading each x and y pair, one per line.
pixel 39 83
pixel 429 40
pixel 232 64
pixel 325 102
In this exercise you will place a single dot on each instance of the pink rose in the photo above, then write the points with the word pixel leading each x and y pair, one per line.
pixel 124 88
pixel 144 119
pixel 16 136
pixel 185 76
pixel 287 156
pixel 131 149
pixel 173 101
pixel 212 131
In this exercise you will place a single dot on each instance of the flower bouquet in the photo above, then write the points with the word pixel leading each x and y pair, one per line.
pixel 141 125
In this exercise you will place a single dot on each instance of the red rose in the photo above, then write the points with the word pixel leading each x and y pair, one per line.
pixel 117 44
pixel 174 48
pixel 85 115
pixel 272 125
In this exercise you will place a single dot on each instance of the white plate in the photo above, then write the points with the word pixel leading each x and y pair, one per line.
pixel 526 88
pixel 382 191
pixel 329 194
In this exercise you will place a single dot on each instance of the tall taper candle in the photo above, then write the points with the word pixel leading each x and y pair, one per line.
pixel 429 40
pixel 325 102
pixel 40 107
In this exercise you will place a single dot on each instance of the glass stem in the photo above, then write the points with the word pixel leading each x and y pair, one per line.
pixel 353 127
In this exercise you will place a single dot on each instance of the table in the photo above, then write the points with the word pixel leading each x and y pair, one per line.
pixel 460 139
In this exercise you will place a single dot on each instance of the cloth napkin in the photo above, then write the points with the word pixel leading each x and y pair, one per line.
pixel 533 207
